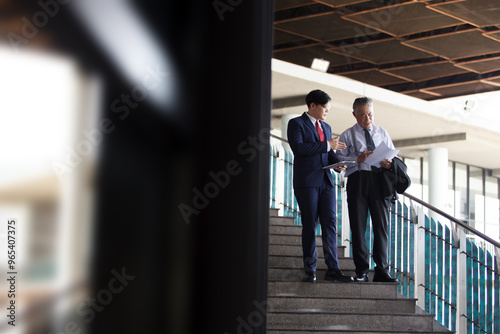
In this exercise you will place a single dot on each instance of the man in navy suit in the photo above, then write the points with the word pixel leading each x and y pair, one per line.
pixel 309 138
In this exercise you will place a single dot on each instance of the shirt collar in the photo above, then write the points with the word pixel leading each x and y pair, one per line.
pixel 312 118
pixel 359 128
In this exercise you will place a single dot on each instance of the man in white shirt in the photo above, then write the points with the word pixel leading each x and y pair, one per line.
pixel 364 184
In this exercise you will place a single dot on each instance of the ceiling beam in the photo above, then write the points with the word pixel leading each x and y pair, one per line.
pixel 429 140
pixel 287 102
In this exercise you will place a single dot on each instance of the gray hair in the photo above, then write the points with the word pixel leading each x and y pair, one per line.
pixel 361 101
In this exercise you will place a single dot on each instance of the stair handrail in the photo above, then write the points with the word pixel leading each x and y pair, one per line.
pixel 279 138
pixel 453 219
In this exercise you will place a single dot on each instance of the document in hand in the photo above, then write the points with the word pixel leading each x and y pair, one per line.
pixel 381 153
pixel 341 163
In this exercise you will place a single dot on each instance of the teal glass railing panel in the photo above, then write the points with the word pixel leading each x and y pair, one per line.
pixel 482 289
pixel 428 255
pixel 411 253
pixel 398 249
pixel 405 277
pixel 475 285
pixel 447 263
pixel 470 296
pixel 454 286
pixel 489 292
pixel 433 273
pixel 440 272
pixel 369 239
pixel 496 308
pixel 392 240
pixel 338 188
pixel 289 183
pixel 273 174
pixel 286 184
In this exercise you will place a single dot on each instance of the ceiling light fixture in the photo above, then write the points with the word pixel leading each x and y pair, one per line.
pixel 320 65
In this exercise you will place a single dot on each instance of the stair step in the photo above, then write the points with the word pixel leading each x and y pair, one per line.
pixel 280 220
pixel 341 305
pixel 290 262
pixel 296 274
pixel 273 212
pixel 348 321
pixel 295 250
pixel 286 229
pixel 293 240
pixel 334 290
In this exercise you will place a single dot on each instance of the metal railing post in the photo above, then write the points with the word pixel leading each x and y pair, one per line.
pixel 461 288
pixel 419 257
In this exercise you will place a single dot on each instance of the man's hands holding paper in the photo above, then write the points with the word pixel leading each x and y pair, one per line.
pixel 381 157
pixel 387 163
pixel 362 157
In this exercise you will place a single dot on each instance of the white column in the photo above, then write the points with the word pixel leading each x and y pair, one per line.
pixel 438 177
pixel 284 127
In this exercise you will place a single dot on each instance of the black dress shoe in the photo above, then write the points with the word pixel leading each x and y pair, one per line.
pixel 361 278
pixel 384 277
pixel 310 277
pixel 336 275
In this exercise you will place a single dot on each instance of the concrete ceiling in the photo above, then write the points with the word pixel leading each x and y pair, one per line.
pixel 415 125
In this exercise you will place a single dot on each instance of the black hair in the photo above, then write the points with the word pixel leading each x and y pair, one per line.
pixel 361 101
pixel 317 97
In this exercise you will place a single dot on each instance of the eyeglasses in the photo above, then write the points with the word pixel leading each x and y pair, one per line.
pixel 369 115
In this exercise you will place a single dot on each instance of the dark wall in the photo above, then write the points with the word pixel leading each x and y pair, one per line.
pixel 183 200
pixel 179 239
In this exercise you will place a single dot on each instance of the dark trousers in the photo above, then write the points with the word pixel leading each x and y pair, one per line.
pixel 363 194
pixel 314 204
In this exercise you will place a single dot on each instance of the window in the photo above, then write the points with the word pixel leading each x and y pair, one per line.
pixel 461 206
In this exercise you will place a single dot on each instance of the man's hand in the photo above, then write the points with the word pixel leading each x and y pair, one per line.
pixel 386 164
pixel 340 168
pixel 362 157
pixel 335 144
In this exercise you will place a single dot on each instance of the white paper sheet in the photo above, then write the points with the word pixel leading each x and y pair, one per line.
pixel 381 153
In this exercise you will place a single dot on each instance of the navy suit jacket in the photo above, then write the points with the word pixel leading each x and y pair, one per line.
pixel 310 154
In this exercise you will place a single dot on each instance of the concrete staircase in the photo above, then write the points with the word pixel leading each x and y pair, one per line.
pixel 326 307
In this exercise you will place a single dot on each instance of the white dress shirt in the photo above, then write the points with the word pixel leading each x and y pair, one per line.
pixel 313 120
pixel 378 134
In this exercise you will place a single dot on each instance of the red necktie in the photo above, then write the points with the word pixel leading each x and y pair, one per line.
pixel 320 131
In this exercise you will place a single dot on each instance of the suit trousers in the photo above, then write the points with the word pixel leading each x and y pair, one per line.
pixel 364 195
pixel 318 203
